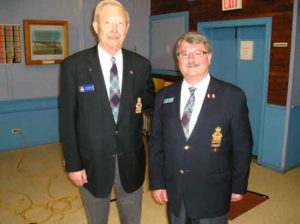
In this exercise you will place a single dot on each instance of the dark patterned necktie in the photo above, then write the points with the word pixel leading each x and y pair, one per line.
pixel 187 112
pixel 114 90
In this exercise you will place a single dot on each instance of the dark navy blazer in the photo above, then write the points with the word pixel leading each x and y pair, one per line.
pixel 203 171
pixel 89 135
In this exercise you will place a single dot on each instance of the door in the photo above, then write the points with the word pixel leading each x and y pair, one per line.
pixel 240 56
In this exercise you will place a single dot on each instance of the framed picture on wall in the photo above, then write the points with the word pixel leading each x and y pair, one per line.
pixel 165 30
pixel 46 42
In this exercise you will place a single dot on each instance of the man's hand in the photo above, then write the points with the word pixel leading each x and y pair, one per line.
pixel 236 197
pixel 79 178
pixel 160 196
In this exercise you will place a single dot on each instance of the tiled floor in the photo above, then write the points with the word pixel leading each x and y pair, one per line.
pixel 34 188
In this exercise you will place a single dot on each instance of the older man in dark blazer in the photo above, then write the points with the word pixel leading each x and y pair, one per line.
pixel 104 92
pixel 201 140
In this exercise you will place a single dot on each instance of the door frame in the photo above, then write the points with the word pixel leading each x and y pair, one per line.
pixel 206 27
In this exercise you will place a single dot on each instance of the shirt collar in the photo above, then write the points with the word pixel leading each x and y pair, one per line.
pixel 202 84
pixel 107 57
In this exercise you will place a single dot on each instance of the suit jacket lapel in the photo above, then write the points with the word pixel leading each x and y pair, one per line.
pixel 208 103
pixel 208 99
pixel 96 74
pixel 176 109
pixel 126 84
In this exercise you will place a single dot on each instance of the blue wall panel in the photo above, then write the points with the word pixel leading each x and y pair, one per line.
pixel 272 141
pixel 36 118
pixel 293 152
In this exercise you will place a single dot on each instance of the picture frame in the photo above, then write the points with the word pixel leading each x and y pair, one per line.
pixel 165 29
pixel 46 41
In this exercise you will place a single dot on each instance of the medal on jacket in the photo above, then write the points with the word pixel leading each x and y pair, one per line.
pixel 216 139
pixel 138 106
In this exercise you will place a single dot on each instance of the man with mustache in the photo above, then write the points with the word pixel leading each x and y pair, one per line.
pixel 201 140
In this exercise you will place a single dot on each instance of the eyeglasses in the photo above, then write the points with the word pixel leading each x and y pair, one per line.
pixel 196 54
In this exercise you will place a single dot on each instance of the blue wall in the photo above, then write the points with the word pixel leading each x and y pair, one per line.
pixel 270 151
pixel 36 118
pixel 293 152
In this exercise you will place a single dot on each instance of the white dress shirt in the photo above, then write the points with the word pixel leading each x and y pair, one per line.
pixel 199 98
pixel 105 62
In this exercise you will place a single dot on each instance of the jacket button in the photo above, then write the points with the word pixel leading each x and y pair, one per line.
pixel 187 148
pixel 116 132
pixel 182 171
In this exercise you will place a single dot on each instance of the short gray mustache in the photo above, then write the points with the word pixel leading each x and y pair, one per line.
pixel 192 65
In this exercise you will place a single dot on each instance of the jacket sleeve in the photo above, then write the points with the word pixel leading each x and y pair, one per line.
pixel 67 117
pixel 242 146
pixel 149 94
pixel 156 154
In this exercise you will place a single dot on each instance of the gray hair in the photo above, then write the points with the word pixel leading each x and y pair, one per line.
pixel 194 38
pixel 103 3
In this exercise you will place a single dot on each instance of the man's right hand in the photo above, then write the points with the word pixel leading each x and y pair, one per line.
pixel 160 196
pixel 79 178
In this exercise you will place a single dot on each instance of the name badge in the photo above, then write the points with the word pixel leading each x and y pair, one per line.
pixel 168 100
pixel 86 88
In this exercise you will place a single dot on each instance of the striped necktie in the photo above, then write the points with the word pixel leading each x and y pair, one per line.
pixel 187 112
pixel 114 90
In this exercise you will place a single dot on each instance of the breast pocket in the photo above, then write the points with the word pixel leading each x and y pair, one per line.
pixel 219 144
pixel 168 115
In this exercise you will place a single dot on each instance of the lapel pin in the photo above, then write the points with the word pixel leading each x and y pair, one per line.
pixel 131 72
pixel 138 106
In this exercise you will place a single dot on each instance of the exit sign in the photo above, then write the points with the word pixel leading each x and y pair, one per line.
pixel 231 4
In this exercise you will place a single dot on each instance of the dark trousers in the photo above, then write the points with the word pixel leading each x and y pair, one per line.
pixel 182 218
